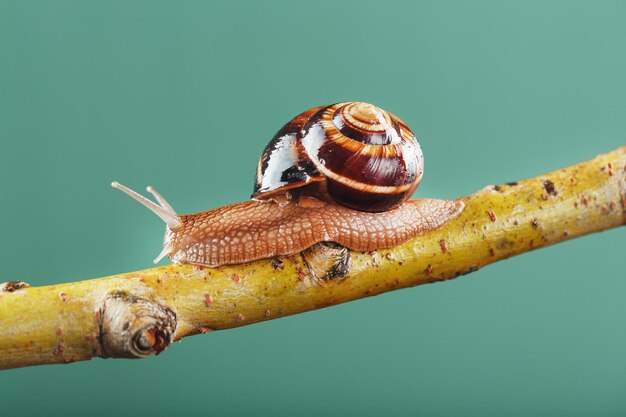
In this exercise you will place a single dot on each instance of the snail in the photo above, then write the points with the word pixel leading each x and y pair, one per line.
pixel 341 173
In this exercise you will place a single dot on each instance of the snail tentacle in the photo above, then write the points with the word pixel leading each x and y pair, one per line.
pixel 171 219
pixel 161 200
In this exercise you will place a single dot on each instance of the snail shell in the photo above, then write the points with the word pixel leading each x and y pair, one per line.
pixel 339 173
pixel 353 153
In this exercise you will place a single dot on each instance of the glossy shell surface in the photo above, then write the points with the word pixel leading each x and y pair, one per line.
pixel 359 155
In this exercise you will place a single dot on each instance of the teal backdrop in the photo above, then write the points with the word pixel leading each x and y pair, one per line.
pixel 185 95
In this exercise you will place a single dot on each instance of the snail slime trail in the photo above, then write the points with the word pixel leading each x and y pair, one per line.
pixel 342 173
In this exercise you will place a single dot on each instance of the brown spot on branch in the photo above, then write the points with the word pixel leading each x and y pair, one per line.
pixel 548 185
pixel 12 286
pixel 278 264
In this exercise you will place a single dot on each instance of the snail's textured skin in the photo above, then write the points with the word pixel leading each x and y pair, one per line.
pixel 254 230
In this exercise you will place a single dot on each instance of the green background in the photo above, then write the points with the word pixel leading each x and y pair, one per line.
pixel 185 95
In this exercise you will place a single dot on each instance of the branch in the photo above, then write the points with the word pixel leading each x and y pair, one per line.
pixel 141 313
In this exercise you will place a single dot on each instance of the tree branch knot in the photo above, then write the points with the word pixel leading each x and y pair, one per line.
pixel 134 327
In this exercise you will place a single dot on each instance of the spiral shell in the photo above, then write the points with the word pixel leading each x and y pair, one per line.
pixel 355 153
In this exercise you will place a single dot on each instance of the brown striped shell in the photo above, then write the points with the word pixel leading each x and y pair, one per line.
pixel 353 153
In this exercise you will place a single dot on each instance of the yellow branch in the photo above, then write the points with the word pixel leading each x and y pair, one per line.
pixel 141 313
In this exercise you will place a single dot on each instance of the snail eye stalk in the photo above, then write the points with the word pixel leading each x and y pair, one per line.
pixel 164 210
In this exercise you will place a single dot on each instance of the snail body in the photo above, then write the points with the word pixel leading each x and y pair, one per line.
pixel 341 173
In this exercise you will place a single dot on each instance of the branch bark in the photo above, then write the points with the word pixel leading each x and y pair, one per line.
pixel 138 314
